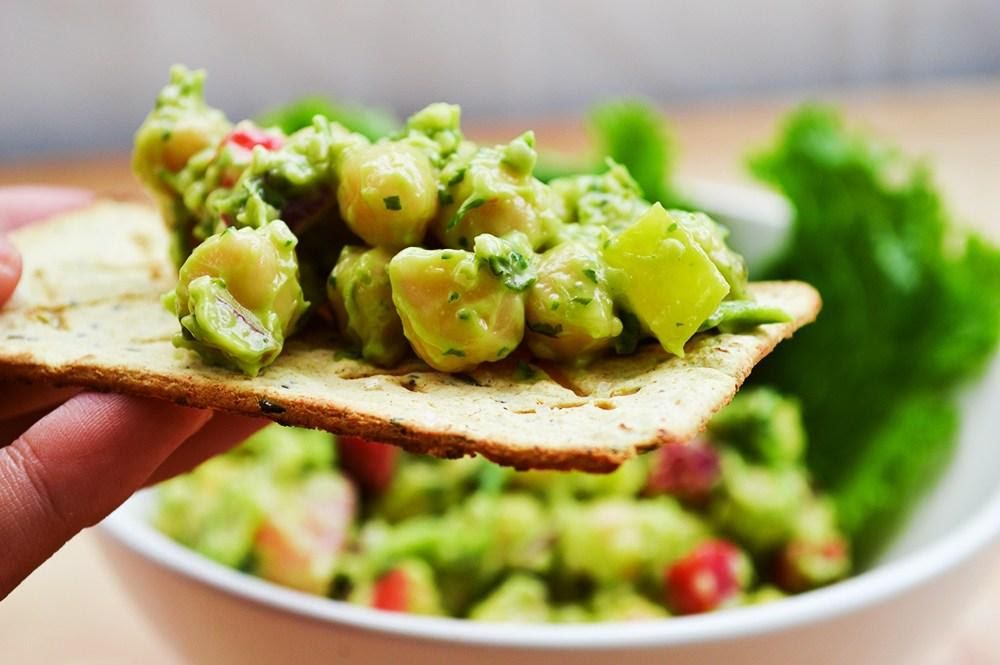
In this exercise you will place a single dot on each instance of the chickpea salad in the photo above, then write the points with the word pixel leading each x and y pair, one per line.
pixel 730 519
pixel 421 242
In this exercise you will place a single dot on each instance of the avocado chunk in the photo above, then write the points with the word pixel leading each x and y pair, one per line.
pixel 665 277
pixel 711 237
pixel 238 297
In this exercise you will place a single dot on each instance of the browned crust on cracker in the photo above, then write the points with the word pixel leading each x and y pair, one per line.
pixel 114 336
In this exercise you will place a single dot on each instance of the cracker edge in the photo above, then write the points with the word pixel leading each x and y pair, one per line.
pixel 320 415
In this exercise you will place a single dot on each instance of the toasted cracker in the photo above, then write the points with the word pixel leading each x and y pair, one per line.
pixel 87 312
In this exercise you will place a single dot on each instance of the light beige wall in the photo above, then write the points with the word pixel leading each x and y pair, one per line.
pixel 78 75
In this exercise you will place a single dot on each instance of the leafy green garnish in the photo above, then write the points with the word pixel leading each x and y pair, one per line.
pixel 911 311
pixel 392 203
pixel 373 123
pixel 633 133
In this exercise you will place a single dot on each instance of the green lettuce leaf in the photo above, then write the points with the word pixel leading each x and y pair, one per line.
pixel 911 312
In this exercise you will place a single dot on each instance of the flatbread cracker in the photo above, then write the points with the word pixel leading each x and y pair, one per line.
pixel 87 312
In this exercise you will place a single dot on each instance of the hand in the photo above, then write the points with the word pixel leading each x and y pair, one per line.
pixel 68 457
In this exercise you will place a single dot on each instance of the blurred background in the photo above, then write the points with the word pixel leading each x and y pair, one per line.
pixel 80 76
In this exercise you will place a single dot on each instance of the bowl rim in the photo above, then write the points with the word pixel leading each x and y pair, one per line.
pixel 880 584
pixel 977 531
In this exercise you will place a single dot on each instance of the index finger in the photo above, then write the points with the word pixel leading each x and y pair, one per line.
pixel 77 464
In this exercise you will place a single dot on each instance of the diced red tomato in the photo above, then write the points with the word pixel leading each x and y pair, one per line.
pixel 241 141
pixel 706 578
pixel 391 591
pixel 247 136
pixel 369 463
pixel 688 471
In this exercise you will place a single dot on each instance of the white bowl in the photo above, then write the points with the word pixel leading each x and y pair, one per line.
pixel 888 614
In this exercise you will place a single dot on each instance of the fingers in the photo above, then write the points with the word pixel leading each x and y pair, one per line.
pixel 17 399
pixel 10 269
pixel 77 464
pixel 220 434
pixel 23 204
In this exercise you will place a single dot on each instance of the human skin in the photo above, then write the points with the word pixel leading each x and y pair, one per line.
pixel 69 457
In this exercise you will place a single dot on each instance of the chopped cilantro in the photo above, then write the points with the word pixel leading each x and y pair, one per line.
pixel 547 329
pixel 590 274
pixel 463 210
pixel 509 264
pixel 455 352
pixel 392 203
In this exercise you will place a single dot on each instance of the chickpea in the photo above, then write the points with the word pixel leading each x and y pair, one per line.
pixel 387 193
pixel 569 310
pixel 180 126
pixel 455 312
pixel 493 191
pixel 497 217
pixel 361 297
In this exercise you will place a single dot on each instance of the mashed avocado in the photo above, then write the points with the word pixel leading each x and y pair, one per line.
pixel 570 269
pixel 729 520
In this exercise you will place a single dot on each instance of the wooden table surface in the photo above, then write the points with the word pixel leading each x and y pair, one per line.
pixel 73 610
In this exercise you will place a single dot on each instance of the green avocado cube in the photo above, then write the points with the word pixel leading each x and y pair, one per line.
pixel 665 277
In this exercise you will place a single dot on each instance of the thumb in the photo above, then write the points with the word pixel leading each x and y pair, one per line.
pixel 10 270
pixel 76 465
